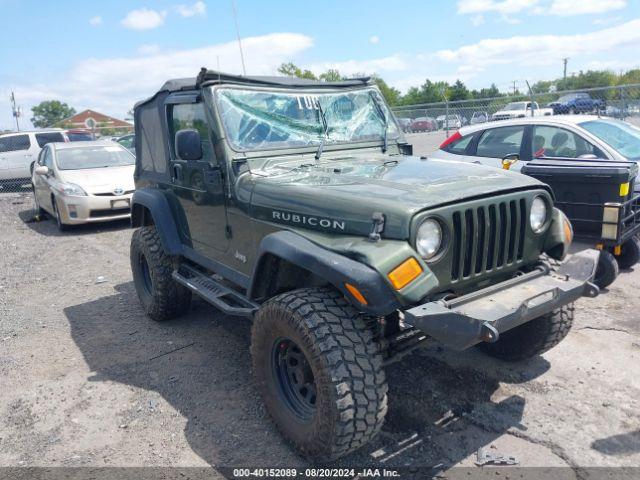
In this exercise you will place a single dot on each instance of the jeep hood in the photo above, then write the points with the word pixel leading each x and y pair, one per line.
pixel 346 192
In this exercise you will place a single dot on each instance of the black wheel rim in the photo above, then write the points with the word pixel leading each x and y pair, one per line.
pixel 294 378
pixel 146 274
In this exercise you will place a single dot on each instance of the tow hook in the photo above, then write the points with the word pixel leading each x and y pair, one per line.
pixel 488 333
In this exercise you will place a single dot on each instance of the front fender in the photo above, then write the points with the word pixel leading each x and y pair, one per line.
pixel 559 236
pixel 158 206
pixel 332 267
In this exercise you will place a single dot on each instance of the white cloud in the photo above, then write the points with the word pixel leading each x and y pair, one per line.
pixel 581 7
pixel 500 6
pixel 539 49
pixel 374 39
pixel 95 21
pixel 393 63
pixel 143 19
pixel 610 65
pixel 539 7
pixel 477 20
pixel 108 86
pixel 608 20
pixel 197 9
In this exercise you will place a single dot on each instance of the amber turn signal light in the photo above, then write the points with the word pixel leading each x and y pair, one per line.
pixel 568 231
pixel 356 293
pixel 404 273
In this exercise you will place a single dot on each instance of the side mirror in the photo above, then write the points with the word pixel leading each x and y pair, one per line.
pixel 188 145
pixel 509 160
pixel 41 170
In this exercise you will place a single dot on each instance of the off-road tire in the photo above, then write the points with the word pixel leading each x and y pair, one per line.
pixel 532 338
pixel 607 270
pixel 160 295
pixel 630 254
pixel 351 388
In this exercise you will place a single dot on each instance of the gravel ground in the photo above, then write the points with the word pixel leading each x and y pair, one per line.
pixel 88 380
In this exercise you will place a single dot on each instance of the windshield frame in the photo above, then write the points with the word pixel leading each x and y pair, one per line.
pixel 78 147
pixel 212 99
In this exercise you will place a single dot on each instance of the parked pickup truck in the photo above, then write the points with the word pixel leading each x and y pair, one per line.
pixel 520 110
pixel 576 103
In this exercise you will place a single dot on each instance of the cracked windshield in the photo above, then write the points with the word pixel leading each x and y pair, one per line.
pixel 261 120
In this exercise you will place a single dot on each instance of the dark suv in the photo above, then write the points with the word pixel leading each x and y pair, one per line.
pixel 299 205
pixel 580 102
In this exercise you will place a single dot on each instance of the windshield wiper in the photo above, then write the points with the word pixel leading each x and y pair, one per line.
pixel 326 131
pixel 385 121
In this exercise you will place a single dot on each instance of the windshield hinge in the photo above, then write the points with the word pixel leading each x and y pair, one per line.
pixel 378 226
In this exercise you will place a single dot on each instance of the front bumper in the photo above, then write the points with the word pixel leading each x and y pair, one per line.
pixel 482 315
pixel 94 208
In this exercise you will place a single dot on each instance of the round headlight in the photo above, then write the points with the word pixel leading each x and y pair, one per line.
pixel 429 238
pixel 538 215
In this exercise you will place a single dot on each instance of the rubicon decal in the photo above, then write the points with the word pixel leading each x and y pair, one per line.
pixel 311 221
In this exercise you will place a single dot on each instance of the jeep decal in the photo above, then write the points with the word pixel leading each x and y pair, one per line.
pixel 300 219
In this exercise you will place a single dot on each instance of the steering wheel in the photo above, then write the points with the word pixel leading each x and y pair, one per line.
pixel 253 132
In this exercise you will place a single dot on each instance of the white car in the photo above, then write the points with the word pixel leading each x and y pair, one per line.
pixel 19 150
pixel 449 121
pixel 521 110
pixel 83 182
pixel 561 136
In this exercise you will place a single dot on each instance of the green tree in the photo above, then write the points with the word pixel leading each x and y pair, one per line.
pixel 292 70
pixel 49 113
pixel 331 75
pixel 390 94
pixel 458 91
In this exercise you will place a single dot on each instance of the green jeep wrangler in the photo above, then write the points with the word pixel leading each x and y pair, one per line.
pixel 298 204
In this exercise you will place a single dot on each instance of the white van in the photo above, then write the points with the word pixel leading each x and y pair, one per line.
pixel 19 150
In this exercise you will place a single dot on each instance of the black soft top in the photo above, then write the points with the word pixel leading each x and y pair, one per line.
pixel 211 77
pixel 152 151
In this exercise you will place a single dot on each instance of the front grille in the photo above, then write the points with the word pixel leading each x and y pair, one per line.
pixel 109 213
pixel 487 238
pixel 501 117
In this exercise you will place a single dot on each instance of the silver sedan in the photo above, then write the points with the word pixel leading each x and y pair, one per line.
pixel 562 136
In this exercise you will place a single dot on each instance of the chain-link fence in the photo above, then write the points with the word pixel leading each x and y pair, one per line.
pixel 428 125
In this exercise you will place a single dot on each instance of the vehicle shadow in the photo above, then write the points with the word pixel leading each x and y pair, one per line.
pixel 622 444
pixel 200 363
pixel 47 225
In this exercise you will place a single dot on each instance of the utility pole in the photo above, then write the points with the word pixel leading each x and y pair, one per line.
pixel 16 111
pixel 564 62
pixel 235 18
pixel 514 87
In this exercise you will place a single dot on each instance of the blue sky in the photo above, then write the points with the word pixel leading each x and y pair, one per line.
pixel 107 55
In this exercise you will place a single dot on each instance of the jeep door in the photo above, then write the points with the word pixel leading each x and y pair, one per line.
pixel 198 184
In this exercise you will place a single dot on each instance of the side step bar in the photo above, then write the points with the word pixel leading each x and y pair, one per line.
pixel 221 297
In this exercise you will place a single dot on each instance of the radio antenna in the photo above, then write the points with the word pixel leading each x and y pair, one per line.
pixel 235 19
